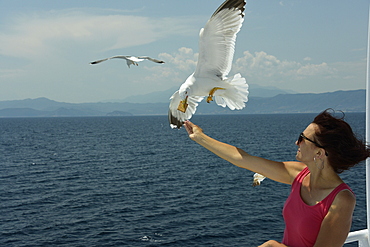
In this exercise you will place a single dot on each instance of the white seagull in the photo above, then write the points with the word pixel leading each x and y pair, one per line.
pixel 216 51
pixel 130 60
pixel 257 179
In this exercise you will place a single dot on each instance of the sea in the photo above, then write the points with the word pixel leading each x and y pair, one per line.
pixel 134 181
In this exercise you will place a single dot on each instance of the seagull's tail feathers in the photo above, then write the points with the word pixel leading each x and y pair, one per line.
pixel 176 117
pixel 129 62
pixel 235 96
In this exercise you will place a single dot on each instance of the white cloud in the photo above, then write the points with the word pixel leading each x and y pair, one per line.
pixel 45 33
pixel 184 59
pixel 263 68
pixel 57 47
pixel 178 66
pixel 267 70
pixel 10 73
pixel 50 51
pixel 313 70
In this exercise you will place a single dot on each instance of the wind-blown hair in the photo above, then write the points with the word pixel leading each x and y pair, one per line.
pixel 342 146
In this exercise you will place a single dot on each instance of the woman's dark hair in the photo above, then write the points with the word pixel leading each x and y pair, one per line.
pixel 342 146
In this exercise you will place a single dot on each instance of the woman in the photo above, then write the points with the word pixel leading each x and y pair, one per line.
pixel 319 210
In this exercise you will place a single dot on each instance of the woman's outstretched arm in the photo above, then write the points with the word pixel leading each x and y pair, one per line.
pixel 283 172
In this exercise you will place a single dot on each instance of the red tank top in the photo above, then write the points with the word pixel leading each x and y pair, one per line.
pixel 303 222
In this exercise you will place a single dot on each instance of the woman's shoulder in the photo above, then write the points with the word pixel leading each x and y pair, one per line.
pixel 344 203
pixel 294 168
pixel 345 196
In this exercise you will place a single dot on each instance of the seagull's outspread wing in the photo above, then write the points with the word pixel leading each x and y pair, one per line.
pixel 216 51
pixel 217 40
pixel 151 59
pixel 129 60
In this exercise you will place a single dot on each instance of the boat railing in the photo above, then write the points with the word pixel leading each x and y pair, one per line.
pixel 361 236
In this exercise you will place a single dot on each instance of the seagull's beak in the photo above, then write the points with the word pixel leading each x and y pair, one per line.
pixel 183 105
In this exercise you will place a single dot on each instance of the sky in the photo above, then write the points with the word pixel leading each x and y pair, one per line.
pixel 301 46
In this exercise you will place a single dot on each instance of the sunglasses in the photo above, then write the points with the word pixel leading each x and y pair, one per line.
pixel 302 136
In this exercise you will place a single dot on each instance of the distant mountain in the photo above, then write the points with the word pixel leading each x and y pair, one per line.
pixel 118 114
pixel 266 92
pixel 164 96
pixel 155 97
pixel 347 101
pixel 60 112
pixel 37 104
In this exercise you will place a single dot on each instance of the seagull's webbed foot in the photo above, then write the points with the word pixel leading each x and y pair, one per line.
pixel 213 90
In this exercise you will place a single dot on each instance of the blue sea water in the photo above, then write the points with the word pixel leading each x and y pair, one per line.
pixel 133 181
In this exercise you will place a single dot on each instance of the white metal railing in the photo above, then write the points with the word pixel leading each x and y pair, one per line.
pixel 361 236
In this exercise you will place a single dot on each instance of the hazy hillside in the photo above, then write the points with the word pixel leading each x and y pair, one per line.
pixel 347 101
pixel 163 96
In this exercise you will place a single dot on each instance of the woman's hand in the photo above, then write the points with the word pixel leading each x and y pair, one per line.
pixel 193 130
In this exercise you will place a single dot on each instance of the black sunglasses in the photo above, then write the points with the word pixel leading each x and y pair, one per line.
pixel 302 136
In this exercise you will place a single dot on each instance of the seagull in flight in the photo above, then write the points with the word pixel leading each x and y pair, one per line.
pixel 216 51
pixel 129 60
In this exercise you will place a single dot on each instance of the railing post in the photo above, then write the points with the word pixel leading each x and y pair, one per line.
pixel 368 129
pixel 361 237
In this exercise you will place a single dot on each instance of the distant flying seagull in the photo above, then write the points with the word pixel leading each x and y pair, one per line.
pixel 216 51
pixel 130 60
